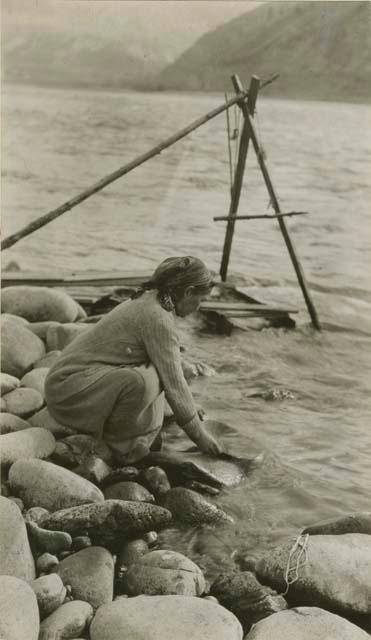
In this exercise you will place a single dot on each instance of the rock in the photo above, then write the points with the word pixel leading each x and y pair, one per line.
pixel 59 336
pixel 150 538
pixel 68 621
pixel 164 572
pixel 15 557
pixel 131 553
pixel 19 613
pixel 28 443
pixel 128 491
pixel 164 618
pixel 305 623
pixel 19 348
pixel 202 488
pixel 40 329
pixel 93 469
pixel 53 542
pixel 44 419
pixel 118 475
pixel 74 449
pixel 38 304
pixel 8 383
pixel 112 519
pixel 36 514
pixel 336 575
pixel 18 502
pixel 50 593
pixel 80 542
pixel 44 484
pixel 23 402
pixel 359 522
pixel 10 317
pixel 46 563
pixel 48 360
pixel 90 574
pixel 250 601
pixel 35 379
pixel 190 507
pixel 10 423
pixel 156 480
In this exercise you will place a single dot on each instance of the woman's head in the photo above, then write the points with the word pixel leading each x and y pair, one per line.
pixel 182 281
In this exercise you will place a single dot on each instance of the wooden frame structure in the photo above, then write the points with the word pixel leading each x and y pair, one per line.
pixel 246 100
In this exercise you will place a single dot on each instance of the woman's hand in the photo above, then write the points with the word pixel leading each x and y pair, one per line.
pixel 208 444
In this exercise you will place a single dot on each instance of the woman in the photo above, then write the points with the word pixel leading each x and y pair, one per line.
pixel 111 381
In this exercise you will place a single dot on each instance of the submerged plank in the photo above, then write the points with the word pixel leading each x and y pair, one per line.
pixel 84 278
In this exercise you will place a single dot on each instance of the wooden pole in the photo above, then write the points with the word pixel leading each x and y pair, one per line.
pixel 264 216
pixel 98 186
pixel 238 178
pixel 289 244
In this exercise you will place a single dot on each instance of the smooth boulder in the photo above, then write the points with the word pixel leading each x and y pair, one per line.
pixel 19 348
pixel 164 618
pixel 68 621
pixel 44 484
pixel 336 574
pixel 9 423
pixel 189 507
pixel 38 304
pixel 50 593
pixel 23 402
pixel 359 522
pixel 19 613
pixel 127 490
pixel 164 572
pixel 28 443
pixel 305 623
pixel 43 540
pixel 8 383
pixel 35 379
pixel 111 517
pixel 15 558
pixel 90 574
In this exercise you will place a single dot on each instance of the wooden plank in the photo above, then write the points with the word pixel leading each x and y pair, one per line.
pixel 235 307
pixel 238 179
pixel 83 278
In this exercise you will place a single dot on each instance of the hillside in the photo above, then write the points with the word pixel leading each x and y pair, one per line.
pixel 320 49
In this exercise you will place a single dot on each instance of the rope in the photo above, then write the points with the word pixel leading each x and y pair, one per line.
pixel 300 545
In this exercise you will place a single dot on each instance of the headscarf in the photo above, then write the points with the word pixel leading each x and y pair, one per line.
pixel 176 273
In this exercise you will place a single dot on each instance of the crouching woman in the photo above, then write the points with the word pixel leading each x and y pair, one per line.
pixel 112 380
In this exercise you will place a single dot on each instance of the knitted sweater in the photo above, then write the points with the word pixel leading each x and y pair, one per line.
pixel 136 332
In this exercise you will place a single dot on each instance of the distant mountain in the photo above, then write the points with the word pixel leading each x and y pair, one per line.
pixel 322 50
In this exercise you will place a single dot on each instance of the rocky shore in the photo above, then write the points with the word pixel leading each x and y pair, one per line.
pixel 80 556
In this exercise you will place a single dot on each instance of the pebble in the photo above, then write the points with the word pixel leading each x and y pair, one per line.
pixel 23 402
pixel 164 572
pixel 90 573
pixel 50 593
pixel 112 517
pixel 44 484
pixel 190 507
pixel 35 379
pixel 164 618
pixel 46 563
pixel 54 542
pixel 117 475
pixel 93 469
pixel 68 621
pixel 156 480
pixel 80 542
pixel 127 490
pixel 131 552
pixel 8 383
pixel 19 613
pixel 28 443
pixel 39 304
pixel 15 558
pixel 10 423
pixel 36 514
pixel 19 348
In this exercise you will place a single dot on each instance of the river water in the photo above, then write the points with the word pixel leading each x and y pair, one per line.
pixel 316 445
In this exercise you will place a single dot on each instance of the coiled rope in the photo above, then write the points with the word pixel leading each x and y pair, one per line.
pixel 300 547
